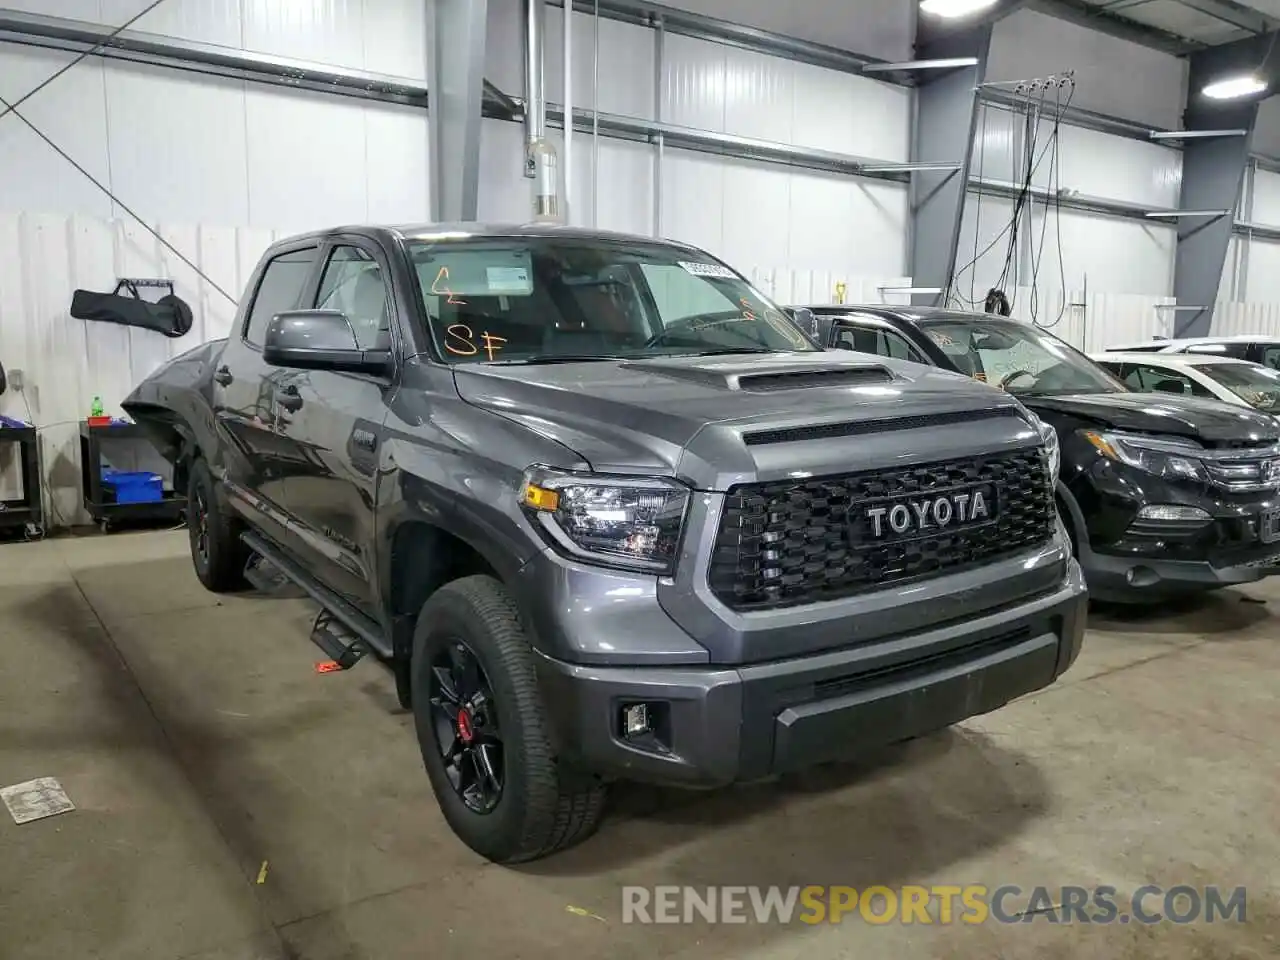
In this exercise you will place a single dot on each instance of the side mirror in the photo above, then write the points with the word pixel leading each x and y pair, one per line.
pixel 320 340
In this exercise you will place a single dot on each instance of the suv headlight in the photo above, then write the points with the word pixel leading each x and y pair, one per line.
pixel 1049 437
pixel 1170 459
pixel 629 522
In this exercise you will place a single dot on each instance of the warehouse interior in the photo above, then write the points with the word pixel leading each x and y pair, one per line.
pixel 228 797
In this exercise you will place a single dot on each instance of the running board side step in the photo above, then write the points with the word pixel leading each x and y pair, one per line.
pixel 341 631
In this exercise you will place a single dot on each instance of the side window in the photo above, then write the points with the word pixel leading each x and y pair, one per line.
pixel 885 343
pixel 279 289
pixel 1271 357
pixel 353 283
pixel 1161 380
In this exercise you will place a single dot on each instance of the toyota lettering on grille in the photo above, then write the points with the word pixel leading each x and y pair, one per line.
pixel 917 516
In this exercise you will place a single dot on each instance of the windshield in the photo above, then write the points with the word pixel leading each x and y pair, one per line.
pixel 1019 357
pixel 1257 386
pixel 534 299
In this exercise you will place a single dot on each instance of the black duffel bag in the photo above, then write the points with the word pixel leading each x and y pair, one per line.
pixel 168 315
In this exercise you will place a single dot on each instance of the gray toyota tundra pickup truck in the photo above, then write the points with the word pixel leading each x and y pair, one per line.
pixel 608 514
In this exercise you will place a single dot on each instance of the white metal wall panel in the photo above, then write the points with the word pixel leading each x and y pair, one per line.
pixel 1263 284
pixel 1105 165
pixel 768 216
pixel 815 287
pixel 996 143
pixel 1112 75
pixel 383 36
pixel 176 141
pixel 715 87
pixel 67 362
pixel 506 196
pixel 626 59
pixel 1247 318
pixel 70 112
pixel 1106 254
pixel 1266 198
pixel 626 63
pixel 197 149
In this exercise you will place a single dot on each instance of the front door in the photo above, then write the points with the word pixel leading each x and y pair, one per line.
pixel 334 423
pixel 256 457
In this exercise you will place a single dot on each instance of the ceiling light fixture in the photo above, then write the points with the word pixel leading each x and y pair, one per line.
pixel 954 8
pixel 1234 87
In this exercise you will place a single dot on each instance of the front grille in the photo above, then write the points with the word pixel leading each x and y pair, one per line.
pixel 786 543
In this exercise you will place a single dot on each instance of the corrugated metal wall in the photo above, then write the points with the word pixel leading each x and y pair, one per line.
pixel 65 362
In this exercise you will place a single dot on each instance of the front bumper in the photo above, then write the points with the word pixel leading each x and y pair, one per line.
pixel 1126 556
pixel 717 725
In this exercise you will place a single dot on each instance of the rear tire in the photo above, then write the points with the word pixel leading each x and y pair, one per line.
pixel 538 809
pixel 217 552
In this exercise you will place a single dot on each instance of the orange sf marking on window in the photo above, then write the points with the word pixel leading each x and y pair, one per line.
pixel 461 333
pixel 746 309
pixel 442 291
pixel 461 340
pixel 492 343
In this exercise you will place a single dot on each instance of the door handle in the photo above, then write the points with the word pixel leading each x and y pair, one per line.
pixel 289 398
pixel 223 375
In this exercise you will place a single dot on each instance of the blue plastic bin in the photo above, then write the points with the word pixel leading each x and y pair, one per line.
pixel 134 487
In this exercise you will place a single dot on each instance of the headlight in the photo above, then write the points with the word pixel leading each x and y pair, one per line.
pixel 1163 458
pixel 1048 437
pixel 629 522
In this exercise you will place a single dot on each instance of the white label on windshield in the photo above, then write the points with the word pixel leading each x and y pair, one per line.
pixel 507 280
pixel 708 270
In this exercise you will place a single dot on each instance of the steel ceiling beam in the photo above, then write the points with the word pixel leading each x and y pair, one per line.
pixel 456 43
pixel 1095 18
pixel 1235 14
pixel 944 123
pixel 1213 174
pixel 60 33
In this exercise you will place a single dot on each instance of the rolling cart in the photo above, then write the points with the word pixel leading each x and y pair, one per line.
pixel 25 514
pixel 115 497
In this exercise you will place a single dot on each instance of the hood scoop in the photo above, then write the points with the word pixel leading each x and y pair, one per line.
pixel 761 375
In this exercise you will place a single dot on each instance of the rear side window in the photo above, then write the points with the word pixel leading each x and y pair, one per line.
pixel 280 289
pixel 1271 356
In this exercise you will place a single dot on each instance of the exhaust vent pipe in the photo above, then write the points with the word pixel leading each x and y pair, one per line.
pixel 541 165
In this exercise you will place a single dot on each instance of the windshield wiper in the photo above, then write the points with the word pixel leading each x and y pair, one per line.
pixel 728 351
pixel 559 358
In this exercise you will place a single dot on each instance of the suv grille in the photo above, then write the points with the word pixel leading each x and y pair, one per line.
pixel 786 543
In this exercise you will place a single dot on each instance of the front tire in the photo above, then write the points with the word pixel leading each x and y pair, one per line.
pixel 217 552
pixel 482 729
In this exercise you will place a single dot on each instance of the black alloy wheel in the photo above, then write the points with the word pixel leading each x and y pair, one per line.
pixel 200 528
pixel 465 720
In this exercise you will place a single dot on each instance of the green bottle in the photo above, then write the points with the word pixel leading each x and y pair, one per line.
pixel 96 409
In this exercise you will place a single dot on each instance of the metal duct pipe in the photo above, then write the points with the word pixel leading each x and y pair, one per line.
pixel 540 162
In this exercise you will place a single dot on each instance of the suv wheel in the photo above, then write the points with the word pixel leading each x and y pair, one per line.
pixel 217 552
pixel 482 730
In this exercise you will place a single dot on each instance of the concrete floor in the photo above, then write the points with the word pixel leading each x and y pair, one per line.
pixel 197 742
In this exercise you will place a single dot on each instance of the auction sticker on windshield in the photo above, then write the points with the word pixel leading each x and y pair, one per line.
pixel 510 280
pixel 708 270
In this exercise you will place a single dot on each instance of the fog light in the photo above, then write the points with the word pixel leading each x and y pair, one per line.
pixel 635 719
pixel 1171 512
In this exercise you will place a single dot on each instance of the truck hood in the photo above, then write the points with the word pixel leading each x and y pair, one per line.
pixel 715 421
pixel 1209 421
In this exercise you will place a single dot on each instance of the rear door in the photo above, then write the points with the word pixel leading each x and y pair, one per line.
pixel 335 422
pixel 256 458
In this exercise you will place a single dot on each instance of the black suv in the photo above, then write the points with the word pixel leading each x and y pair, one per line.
pixel 1162 494
pixel 609 514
